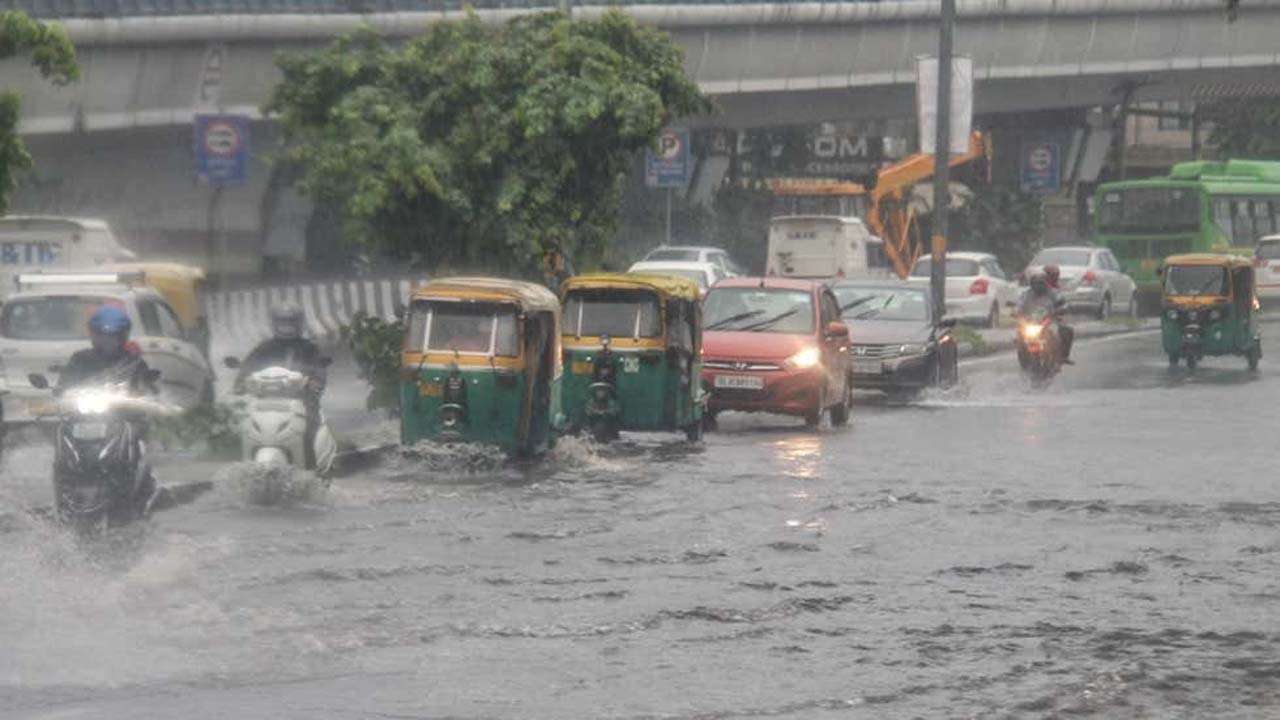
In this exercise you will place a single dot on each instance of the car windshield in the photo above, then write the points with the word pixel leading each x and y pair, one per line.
pixel 1195 280
pixel 1066 258
pixel 773 310
pixel 1268 250
pixel 956 267
pixel 1149 209
pixel 617 313
pixel 879 303
pixel 671 254
pixel 467 328
pixel 62 317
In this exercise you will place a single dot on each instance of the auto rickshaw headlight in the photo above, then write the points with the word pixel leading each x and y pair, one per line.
pixel 1215 314
pixel 450 418
pixel 1172 314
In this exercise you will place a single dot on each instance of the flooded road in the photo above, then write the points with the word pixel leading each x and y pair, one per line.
pixel 1108 545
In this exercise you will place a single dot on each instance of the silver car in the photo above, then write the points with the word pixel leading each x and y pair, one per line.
pixel 1091 279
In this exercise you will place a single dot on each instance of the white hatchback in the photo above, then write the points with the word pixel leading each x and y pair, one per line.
pixel 977 287
pixel 41 326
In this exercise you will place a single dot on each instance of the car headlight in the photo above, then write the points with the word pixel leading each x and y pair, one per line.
pixel 911 349
pixel 805 359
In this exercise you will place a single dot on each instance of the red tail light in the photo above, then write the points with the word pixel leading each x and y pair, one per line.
pixel 979 287
pixel 1089 278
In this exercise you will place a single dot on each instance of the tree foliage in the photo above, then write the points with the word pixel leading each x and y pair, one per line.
pixel 1244 127
pixel 1001 220
pixel 53 55
pixel 477 146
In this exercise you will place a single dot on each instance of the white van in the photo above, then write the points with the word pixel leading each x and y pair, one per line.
pixel 33 243
pixel 821 246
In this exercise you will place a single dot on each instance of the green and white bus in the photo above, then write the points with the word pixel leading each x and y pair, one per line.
pixel 1199 207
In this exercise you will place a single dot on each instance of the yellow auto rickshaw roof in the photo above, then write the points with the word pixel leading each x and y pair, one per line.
pixel 1212 259
pixel 669 285
pixel 530 296
pixel 160 269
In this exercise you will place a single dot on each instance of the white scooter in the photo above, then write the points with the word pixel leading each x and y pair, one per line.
pixel 275 421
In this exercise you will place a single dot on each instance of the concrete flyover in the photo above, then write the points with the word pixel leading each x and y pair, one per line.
pixel 765 63
pixel 118 144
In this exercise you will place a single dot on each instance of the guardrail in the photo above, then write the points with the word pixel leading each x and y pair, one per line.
pixel 240 318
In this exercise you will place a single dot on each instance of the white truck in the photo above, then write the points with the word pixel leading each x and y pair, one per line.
pixel 824 246
pixel 32 243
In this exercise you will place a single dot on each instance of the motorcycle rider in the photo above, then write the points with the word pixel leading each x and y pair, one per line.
pixel 288 348
pixel 1053 276
pixel 1041 295
pixel 113 358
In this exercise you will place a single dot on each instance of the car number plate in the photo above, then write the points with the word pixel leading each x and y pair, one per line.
pixel 739 382
pixel 866 367
pixel 89 430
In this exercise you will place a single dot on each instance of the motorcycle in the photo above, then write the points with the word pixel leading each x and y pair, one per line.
pixel 274 428
pixel 1039 348
pixel 101 477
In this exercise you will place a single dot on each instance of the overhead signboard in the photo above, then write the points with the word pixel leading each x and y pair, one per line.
pixel 1041 167
pixel 669 165
pixel 961 103
pixel 222 149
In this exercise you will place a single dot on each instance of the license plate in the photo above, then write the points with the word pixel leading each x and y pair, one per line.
pixel 89 430
pixel 866 367
pixel 739 382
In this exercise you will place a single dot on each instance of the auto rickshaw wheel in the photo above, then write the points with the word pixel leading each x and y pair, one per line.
pixel 693 431
pixel 1192 362
pixel 708 421
pixel 1173 360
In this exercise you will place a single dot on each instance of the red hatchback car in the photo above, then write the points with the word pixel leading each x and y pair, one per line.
pixel 776 345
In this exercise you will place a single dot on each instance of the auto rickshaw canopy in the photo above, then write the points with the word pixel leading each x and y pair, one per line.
pixel 529 296
pixel 1209 259
pixel 665 285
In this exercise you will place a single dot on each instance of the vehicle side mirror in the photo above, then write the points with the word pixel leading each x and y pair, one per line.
pixel 231 362
pixel 38 381
pixel 947 322
pixel 837 329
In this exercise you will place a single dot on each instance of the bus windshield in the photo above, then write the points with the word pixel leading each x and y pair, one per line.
pixel 1150 209
pixel 1195 280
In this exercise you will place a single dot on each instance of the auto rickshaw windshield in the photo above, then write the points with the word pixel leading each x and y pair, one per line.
pixel 631 314
pixel 1193 280
pixel 466 328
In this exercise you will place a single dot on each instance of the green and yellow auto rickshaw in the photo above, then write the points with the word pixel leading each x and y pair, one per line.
pixel 1209 307
pixel 481 363
pixel 632 354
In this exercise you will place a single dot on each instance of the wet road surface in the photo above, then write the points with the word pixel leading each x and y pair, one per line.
pixel 1108 545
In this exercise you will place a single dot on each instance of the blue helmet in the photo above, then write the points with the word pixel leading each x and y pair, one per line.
pixel 110 320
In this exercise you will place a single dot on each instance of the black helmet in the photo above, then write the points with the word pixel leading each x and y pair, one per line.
pixel 287 321
pixel 1039 284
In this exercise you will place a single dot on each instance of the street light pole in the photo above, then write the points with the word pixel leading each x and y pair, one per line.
pixel 942 163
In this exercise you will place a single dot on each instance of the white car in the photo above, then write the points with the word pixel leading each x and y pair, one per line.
pixel 45 322
pixel 695 253
pixel 1090 279
pixel 1266 262
pixel 704 273
pixel 977 287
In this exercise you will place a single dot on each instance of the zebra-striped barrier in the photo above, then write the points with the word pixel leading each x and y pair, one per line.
pixel 241 318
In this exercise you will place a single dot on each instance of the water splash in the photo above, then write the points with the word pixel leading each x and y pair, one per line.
pixel 271 485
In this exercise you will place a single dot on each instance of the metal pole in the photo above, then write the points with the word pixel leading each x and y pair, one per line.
pixel 668 240
pixel 942 163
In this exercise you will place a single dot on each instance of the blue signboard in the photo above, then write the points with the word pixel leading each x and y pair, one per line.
pixel 1041 167
pixel 222 149
pixel 668 166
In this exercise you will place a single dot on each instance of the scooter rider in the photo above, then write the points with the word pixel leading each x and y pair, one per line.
pixel 287 348
pixel 1041 295
pixel 1053 276
pixel 113 358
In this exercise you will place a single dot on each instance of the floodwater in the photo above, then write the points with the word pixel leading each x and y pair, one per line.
pixel 1108 546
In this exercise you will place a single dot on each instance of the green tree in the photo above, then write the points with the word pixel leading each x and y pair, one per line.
pixel 1001 220
pixel 1244 127
pixel 53 55
pixel 474 146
